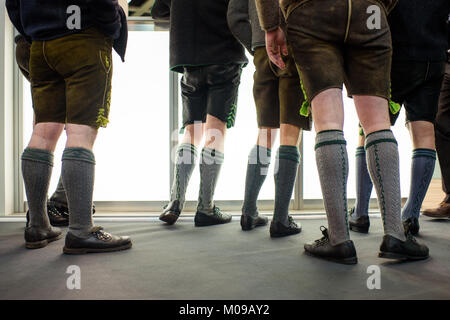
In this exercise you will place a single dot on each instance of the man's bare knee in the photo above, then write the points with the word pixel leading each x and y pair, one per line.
pixel 45 135
pixel 80 136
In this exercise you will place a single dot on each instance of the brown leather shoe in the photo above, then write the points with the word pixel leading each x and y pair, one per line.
pixel 443 211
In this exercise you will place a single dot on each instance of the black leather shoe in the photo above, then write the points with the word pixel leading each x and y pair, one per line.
pixel 360 224
pixel 393 248
pixel 411 225
pixel 344 253
pixel 97 241
pixel 217 217
pixel 38 237
pixel 249 222
pixel 277 229
pixel 171 212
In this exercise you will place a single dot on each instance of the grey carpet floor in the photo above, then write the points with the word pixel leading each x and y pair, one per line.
pixel 221 262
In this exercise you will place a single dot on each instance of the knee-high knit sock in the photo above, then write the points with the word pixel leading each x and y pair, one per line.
pixel 37 167
pixel 422 168
pixel 59 196
pixel 210 165
pixel 332 164
pixel 383 163
pixel 184 166
pixel 257 170
pixel 78 171
pixel 363 184
pixel 288 158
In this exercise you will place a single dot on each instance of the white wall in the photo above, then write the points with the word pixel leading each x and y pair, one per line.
pixel 6 113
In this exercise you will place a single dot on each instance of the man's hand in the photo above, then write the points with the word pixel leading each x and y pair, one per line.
pixel 276 46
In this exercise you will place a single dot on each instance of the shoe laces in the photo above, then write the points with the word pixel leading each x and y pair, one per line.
pixel 100 234
pixel 291 221
pixel 325 239
pixel 410 237
pixel 217 211
pixel 51 209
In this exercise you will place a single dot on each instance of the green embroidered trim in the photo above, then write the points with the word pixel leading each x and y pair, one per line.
pixel 305 108
pixel 380 141
pixel 361 132
pixel 381 198
pixel 394 107
pixel 326 143
pixel 102 121
pixel 231 118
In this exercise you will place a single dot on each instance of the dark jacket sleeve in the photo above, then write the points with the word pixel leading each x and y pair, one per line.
pixel 13 8
pixel 106 14
pixel 269 14
pixel 120 44
pixel 161 10
pixel 239 22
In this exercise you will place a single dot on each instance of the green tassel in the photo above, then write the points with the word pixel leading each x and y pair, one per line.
pixel 231 116
pixel 393 106
pixel 304 110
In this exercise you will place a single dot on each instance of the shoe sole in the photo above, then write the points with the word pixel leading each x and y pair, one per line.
pixel 169 218
pixel 93 250
pixel 249 227
pixel 281 235
pixel 398 256
pixel 42 243
pixel 348 261
pixel 359 229
pixel 64 224
pixel 436 216
pixel 207 224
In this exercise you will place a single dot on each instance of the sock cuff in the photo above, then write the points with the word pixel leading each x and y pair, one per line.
pixel 380 137
pixel 288 153
pixel 210 156
pixel 260 155
pixel 38 155
pixel 79 154
pixel 188 147
pixel 360 151
pixel 329 137
pixel 425 153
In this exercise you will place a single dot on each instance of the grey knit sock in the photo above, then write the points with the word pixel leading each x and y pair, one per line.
pixel 332 164
pixel 59 196
pixel 210 165
pixel 37 168
pixel 257 169
pixel 184 166
pixel 383 163
pixel 288 158
pixel 78 171
pixel 422 168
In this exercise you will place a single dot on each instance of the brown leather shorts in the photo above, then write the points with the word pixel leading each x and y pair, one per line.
pixel 333 44
pixel 277 93
pixel 71 78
